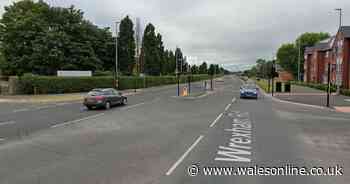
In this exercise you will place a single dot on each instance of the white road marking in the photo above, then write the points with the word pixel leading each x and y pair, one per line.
pixel 133 106
pixel 44 107
pixel 172 168
pixel 234 100
pixel 78 120
pixel 216 120
pixel 227 107
pixel 239 147
pixel 7 123
pixel 64 103
pixel 2 139
pixel 21 110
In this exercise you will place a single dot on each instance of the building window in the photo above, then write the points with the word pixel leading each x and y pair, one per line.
pixel 327 54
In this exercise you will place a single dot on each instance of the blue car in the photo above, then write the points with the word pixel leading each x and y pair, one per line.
pixel 249 91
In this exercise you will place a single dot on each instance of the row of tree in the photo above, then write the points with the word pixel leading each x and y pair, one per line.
pixel 38 38
pixel 288 56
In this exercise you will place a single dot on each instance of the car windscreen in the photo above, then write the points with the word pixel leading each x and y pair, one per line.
pixel 249 87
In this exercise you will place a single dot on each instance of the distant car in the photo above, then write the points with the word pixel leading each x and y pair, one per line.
pixel 104 98
pixel 249 91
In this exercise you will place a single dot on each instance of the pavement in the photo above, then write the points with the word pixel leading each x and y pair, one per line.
pixel 306 95
pixel 158 139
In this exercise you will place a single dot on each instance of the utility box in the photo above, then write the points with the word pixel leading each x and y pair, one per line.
pixel 278 87
pixel 287 87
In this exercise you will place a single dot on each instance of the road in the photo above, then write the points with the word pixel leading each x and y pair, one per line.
pixel 157 137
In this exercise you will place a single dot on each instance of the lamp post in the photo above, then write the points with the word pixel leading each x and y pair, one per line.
pixel 116 79
pixel 336 54
pixel 299 58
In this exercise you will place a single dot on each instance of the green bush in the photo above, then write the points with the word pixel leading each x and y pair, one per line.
pixel 30 84
pixel 322 87
pixel 103 73
pixel 345 92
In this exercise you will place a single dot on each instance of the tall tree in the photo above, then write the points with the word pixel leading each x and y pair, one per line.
pixel 179 59
pixel 287 57
pixel 150 51
pixel 161 54
pixel 126 46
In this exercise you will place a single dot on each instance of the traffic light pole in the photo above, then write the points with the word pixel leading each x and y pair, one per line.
pixel 273 76
pixel 329 84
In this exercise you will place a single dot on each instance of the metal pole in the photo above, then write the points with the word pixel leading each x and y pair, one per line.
pixel 336 54
pixel 116 56
pixel 299 57
pixel 273 76
pixel 177 74
pixel 329 84
pixel 189 84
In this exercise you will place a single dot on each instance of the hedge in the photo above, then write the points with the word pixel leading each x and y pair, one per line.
pixel 322 87
pixel 56 85
pixel 345 92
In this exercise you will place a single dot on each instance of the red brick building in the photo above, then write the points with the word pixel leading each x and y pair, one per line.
pixel 335 51
pixel 316 59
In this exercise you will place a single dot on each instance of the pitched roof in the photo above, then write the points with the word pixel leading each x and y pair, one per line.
pixel 309 50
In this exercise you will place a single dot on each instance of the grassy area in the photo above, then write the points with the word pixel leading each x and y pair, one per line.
pixel 263 84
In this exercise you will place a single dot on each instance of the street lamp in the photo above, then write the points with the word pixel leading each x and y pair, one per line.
pixel 116 56
pixel 336 54
pixel 299 59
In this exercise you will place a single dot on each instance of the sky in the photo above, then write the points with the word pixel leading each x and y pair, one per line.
pixel 231 33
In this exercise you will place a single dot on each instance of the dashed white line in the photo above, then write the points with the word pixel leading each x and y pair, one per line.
pixel 133 106
pixel 2 139
pixel 78 120
pixel 234 100
pixel 173 167
pixel 44 107
pixel 227 107
pixel 216 120
pixel 7 123
pixel 21 110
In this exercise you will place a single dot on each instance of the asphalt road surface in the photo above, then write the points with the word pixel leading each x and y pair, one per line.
pixel 158 138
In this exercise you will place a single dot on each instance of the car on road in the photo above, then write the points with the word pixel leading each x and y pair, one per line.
pixel 249 91
pixel 104 98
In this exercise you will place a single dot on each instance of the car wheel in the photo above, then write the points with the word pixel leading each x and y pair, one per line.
pixel 107 105
pixel 89 107
pixel 125 101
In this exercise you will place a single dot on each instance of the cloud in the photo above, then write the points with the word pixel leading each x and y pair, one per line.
pixel 223 31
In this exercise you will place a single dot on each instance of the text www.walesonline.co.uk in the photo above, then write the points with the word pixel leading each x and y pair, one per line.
pixel 287 170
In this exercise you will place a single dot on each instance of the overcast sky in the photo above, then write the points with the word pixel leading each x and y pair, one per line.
pixel 220 31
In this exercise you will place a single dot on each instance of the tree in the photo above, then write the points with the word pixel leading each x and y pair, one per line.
pixel 211 70
pixel 126 46
pixel 287 56
pixel 41 39
pixel 203 68
pixel 150 51
pixel 194 69
pixel 160 54
pixel 179 59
